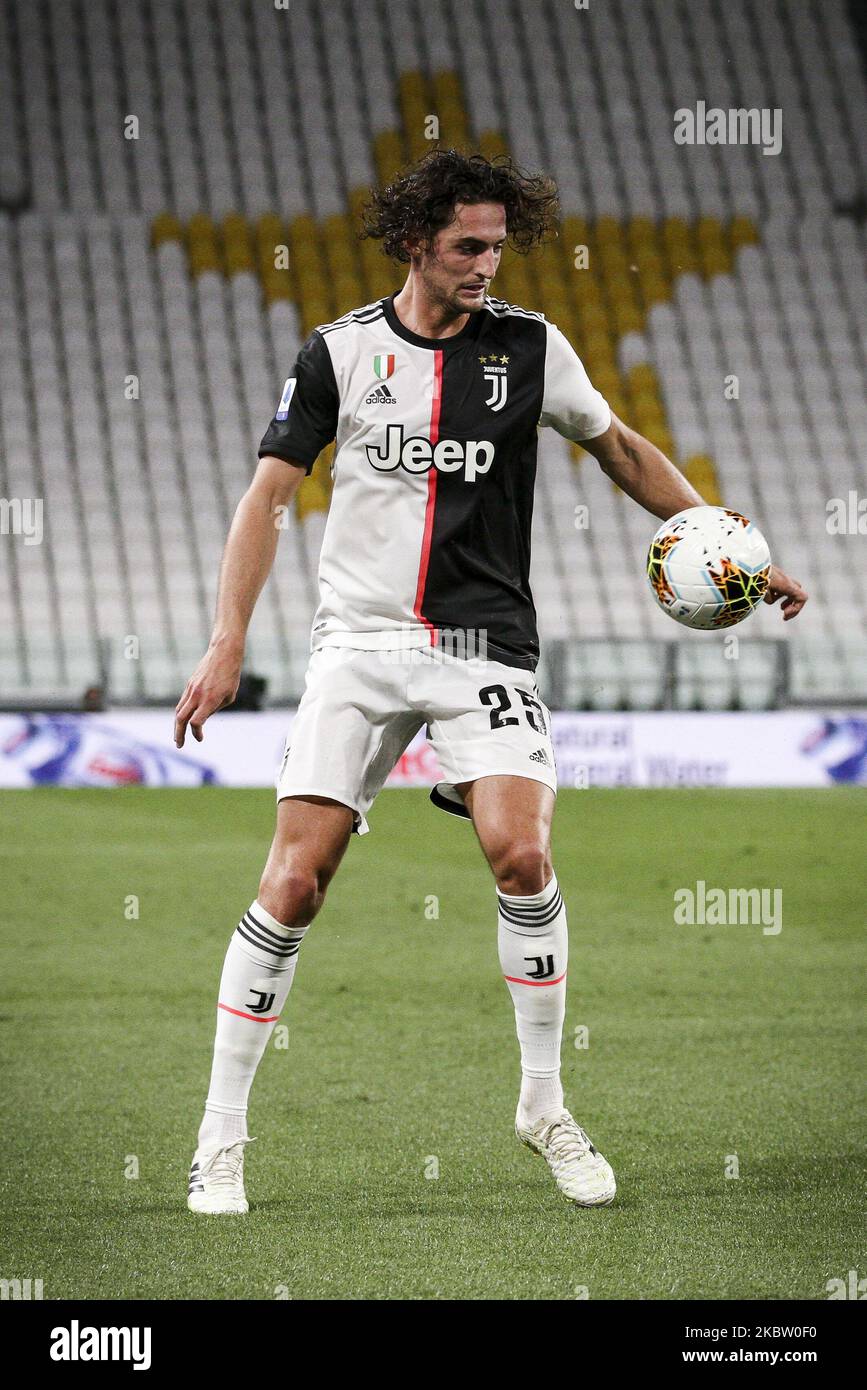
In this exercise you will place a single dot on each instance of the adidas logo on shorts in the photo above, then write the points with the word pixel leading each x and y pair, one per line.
pixel 540 756
pixel 381 396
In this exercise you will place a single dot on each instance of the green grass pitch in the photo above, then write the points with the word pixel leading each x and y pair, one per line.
pixel 704 1042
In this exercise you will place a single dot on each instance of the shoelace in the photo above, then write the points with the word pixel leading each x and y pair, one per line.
pixel 566 1139
pixel 224 1165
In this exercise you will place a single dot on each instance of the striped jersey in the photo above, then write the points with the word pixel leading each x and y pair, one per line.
pixel 427 540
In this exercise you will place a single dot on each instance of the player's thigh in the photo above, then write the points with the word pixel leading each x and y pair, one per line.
pixel 309 842
pixel 492 736
pixel 310 838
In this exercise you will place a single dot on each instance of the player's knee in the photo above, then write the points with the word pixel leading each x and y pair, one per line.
pixel 292 895
pixel 523 868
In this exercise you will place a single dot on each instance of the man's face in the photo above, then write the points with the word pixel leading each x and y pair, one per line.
pixel 464 258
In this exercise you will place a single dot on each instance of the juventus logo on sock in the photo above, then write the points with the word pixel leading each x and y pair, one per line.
pixel 259 967
pixel 545 967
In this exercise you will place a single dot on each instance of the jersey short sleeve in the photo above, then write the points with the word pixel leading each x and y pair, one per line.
pixel 570 404
pixel 306 418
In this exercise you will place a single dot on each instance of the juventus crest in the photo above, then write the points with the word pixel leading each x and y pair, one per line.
pixel 494 372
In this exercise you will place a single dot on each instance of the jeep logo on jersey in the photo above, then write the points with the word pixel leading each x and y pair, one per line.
pixel 416 454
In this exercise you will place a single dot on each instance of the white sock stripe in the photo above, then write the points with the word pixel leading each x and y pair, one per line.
pixel 519 900
pixel 508 906
pixel 276 929
pixel 264 918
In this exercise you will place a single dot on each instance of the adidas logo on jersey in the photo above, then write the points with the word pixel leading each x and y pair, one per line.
pixel 381 396
pixel 416 454
pixel 540 756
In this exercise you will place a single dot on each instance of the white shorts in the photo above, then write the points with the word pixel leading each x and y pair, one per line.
pixel 360 710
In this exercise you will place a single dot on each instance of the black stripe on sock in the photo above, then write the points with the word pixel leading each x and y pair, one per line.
pixel 275 936
pixel 546 915
pixel 266 946
pixel 279 941
pixel 530 913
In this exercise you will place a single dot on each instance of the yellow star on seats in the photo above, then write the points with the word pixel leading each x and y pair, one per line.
pixel 504 359
pixel 483 359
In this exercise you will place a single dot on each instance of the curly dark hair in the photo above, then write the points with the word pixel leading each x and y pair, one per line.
pixel 420 201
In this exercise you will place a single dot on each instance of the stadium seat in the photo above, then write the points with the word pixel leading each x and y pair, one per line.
pixel 154 317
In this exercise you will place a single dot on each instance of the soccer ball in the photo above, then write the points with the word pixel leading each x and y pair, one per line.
pixel 708 567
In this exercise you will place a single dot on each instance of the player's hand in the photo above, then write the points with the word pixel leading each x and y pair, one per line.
pixel 781 586
pixel 212 686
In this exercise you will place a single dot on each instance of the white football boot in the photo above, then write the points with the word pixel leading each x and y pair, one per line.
pixel 217 1181
pixel 580 1172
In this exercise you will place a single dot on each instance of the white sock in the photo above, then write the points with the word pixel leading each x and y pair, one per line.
pixel 257 975
pixel 533 946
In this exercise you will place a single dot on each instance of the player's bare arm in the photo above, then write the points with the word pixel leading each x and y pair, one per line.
pixel 247 560
pixel 649 478
pixel 641 470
